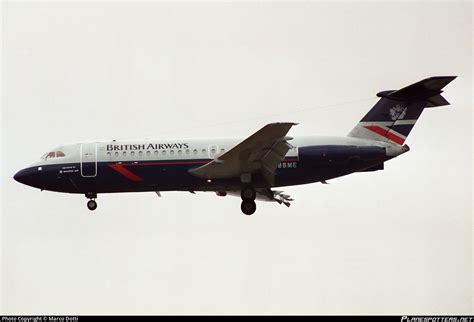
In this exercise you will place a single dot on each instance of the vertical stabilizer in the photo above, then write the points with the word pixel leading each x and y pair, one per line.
pixel 394 115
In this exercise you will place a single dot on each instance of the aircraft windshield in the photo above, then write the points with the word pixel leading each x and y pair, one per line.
pixel 54 154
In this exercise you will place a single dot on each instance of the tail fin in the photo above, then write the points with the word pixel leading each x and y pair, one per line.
pixel 395 114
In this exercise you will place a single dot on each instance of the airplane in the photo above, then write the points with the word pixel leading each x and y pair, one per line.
pixel 251 168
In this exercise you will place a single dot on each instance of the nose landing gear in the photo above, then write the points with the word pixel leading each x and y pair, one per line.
pixel 91 204
pixel 248 205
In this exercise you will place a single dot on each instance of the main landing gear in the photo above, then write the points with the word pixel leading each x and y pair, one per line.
pixel 91 204
pixel 248 205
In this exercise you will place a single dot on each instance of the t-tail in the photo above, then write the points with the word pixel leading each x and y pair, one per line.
pixel 395 114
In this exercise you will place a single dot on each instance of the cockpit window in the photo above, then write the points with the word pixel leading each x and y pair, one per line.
pixel 53 154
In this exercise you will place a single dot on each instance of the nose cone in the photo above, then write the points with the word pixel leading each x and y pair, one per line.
pixel 26 176
pixel 20 176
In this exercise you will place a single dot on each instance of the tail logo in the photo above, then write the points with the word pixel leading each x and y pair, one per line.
pixel 398 112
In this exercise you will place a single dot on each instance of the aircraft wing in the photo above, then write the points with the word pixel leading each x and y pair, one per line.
pixel 260 152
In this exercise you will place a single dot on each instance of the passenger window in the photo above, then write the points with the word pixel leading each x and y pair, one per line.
pixel 140 153
pixel 187 152
pixel 180 152
pixel 163 152
pixel 171 152
pixel 213 151
pixel 148 153
pixel 195 151
pixel 203 151
pixel 132 153
pixel 124 153
pixel 156 152
pixel 116 153
pixel 222 150
pixel 108 154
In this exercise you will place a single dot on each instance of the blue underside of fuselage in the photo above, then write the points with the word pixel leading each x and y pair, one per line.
pixel 312 165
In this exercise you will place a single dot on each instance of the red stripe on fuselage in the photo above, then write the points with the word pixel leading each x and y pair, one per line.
pixel 389 135
pixel 127 173
pixel 166 163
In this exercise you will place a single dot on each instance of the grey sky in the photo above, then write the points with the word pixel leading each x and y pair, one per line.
pixel 395 241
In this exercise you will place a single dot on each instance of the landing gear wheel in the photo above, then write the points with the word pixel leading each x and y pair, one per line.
pixel 248 193
pixel 248 207
pixel 92 205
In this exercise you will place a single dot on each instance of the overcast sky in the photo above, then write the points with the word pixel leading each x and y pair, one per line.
pixel 396 241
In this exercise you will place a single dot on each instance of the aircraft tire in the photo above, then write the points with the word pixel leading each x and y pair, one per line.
pixel 92 205
pixel 248 193
pixel 248 207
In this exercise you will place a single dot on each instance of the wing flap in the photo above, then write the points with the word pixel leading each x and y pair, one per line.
pixel 264 194
pixel 271 159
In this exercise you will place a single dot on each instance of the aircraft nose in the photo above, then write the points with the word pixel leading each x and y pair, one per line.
pixel 24 176
pixel 20 176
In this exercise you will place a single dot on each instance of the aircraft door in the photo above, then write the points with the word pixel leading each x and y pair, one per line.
pixel 89 159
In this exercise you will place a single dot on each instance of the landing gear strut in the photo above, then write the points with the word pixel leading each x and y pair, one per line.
pixel 248 205
pixel 91 204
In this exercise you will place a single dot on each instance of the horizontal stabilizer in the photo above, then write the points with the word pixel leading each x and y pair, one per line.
pixel 428 89
pixel 437 100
